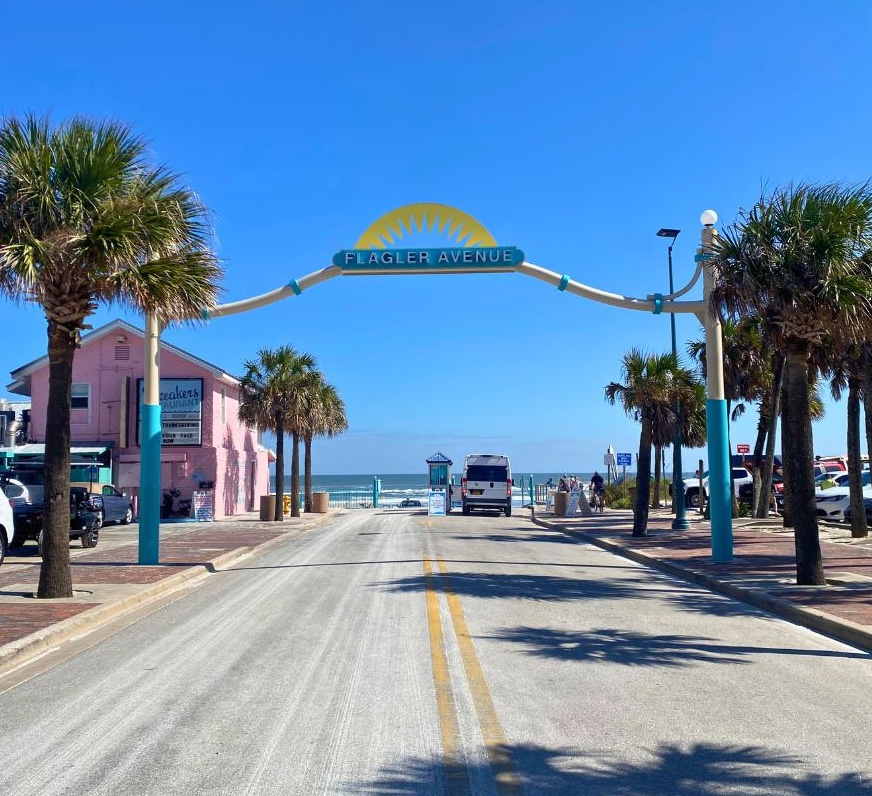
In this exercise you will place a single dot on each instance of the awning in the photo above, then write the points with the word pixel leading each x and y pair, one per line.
pixel 38 449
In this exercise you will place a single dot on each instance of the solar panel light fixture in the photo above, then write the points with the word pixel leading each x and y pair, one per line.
pixel 668 233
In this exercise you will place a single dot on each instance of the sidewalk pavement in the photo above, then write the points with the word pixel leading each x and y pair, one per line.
pixel 763 569
pixel 109 583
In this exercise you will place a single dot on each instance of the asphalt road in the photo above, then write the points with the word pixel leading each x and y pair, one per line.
pixel 392 653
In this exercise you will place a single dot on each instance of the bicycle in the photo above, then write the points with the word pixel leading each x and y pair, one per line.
pixel 599 500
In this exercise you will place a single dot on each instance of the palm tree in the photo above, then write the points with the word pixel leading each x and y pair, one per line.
pixel 846 371
pixel 303 378
pixel 325 416
pixel 268 396
pixel 85 219
pixel 653 383
pixel 795 259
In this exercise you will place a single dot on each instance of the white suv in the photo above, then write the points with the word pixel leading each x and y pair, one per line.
pixel 691 488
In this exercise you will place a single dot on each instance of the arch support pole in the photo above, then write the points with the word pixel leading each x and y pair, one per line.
pixel 150 439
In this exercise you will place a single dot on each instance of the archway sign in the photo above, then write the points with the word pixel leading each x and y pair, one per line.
pixel 471 249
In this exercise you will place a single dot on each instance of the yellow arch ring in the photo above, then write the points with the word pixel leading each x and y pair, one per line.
pixel 425 217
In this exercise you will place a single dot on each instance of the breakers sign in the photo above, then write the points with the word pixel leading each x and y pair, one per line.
pixel 455 260
pixel 474 247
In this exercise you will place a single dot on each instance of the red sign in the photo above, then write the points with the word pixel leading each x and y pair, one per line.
pixel 743 448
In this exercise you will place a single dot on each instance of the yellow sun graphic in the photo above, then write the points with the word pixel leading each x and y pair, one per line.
pixel 428 217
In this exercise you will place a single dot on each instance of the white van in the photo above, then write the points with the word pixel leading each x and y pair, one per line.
pixel 486 482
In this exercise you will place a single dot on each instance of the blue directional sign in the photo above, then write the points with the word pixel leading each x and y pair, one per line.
pixel 625 459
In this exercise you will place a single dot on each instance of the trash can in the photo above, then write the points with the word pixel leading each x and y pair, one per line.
pixel 267 507
pixel 320 502
pixel 561 503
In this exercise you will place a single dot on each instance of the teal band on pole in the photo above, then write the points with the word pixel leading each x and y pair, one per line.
pixel 658 303
pixel 205 315
pixel 719 489
pixel 563 282
pixel 149 490
pixel 295 287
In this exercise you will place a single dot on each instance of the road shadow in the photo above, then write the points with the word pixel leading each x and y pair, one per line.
pixel 665 770
pixel 521 536
pixel 629 648
pixel 534 587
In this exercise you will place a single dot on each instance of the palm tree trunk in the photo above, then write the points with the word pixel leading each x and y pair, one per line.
pixel 759 444
pixel 658 459
pixel 787 521
pixel 55 579
pixel 867 396
pixel 295 474
pixel 279 514
pixel 775 409
pixel 307 472
pixel 643 479
pixel 799 469
pixel 859 528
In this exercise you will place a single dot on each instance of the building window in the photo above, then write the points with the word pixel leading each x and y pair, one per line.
pixel 223 404
pixel 80 396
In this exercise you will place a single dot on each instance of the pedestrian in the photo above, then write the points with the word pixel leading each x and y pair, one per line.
pixel 550 483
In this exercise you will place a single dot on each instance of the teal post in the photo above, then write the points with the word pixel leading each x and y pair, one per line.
pixel 720 497
pixel 149 486
pixel 532 496
pixel 376 488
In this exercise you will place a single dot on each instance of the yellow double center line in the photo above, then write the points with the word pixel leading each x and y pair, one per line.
pixel 506 777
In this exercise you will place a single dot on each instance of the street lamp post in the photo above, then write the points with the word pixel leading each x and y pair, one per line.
pixel 680 523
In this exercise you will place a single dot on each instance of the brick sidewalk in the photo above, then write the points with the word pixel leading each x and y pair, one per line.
pixel 762 572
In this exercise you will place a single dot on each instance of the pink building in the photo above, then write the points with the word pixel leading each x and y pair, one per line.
pixel 203 438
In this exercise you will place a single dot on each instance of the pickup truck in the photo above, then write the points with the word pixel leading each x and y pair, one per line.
pixel 27 510
pixel 691 487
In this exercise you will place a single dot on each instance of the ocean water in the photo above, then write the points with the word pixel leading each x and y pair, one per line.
pixel 398 486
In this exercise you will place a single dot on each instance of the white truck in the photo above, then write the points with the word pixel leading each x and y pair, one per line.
pixel 486 483
pixel 691 487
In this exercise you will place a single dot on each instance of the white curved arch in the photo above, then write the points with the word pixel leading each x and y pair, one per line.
pixel 616 300
pixel 648 304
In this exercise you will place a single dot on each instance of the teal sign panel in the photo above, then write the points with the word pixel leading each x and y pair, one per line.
pixel 463 259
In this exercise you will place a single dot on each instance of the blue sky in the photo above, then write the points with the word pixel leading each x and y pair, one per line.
pixel 574 130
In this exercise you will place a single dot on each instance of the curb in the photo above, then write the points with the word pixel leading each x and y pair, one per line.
pixel 21 651
pixel 843 630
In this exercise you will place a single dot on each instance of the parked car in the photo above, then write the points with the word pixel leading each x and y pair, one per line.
pixel 867 504
pixel 26 501
pixel 7 526
pixel 746 490
pixel 410 503
pixel 832 502
pixel 111 504
pixel 691 493
pixel 85 519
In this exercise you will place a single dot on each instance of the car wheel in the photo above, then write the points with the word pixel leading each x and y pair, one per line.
pixel 90 537
pixel 691 498
pixel 39 540
pixel 128 516
pixel 2 546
